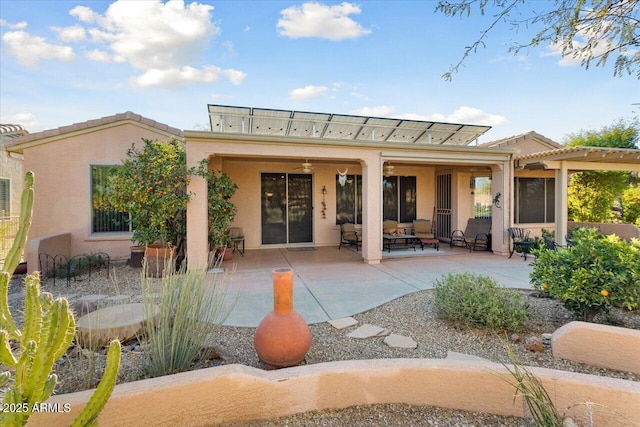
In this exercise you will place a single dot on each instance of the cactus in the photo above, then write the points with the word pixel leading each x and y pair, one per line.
pixel 49 328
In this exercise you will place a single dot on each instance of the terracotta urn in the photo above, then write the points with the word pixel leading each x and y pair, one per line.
pixel 283 337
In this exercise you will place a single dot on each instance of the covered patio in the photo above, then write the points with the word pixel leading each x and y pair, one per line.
pixel 331 283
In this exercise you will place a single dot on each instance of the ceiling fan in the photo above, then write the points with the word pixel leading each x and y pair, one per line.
pixel 389 169
pixel 306 167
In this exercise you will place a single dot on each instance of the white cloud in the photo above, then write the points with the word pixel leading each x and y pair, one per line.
pixel 74 33
pixel 155 35
pixel 463 114
pixel 84 14
pixel 308 92
pixel 25 119
pixel 319 20
pixel 98 55
pixel 19 26
pixel 29 50
pixel 379 111
pixel 185 75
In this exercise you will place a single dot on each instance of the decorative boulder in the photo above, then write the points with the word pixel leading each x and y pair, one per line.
pixel 124 322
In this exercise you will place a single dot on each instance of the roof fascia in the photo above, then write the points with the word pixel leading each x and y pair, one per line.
pixel 204 136
pixel 18 147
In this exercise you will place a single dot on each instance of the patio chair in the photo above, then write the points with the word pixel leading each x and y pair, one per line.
pixel 389 227
pixel 551 244
pixel 519 241
pixel 424 231
pixel 476 235
pixel 349 235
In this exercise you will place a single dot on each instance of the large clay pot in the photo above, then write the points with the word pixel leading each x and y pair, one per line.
pixel 283 337
pixel 158 258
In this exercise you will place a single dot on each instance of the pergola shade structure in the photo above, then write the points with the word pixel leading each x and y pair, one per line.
pixel 299 124
pixel 575 159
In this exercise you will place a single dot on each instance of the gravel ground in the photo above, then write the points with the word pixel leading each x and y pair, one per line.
pixel 412 315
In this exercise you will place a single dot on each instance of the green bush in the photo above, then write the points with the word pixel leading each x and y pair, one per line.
pixel 596 273
pixel 477 300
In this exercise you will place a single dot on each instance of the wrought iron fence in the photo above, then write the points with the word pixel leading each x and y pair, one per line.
pixel 8 230
pixel 62 267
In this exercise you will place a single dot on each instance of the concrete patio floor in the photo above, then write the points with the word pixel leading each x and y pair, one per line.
pixel 331 283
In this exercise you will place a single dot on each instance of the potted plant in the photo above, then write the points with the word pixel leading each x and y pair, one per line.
pixel 151 185
pixel 220 189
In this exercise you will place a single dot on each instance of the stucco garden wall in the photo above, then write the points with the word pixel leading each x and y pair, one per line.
pixel 235 393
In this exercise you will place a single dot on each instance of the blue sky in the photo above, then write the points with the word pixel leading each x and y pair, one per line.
pixel 63 62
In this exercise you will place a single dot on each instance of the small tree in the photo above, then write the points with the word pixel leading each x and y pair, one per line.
pixel 220 189
pixel 151 185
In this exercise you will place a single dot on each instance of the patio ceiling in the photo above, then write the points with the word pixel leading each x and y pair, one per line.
pixel 298 124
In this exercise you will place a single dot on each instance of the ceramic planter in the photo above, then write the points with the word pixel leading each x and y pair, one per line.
pixel 158 258
pixel 283 337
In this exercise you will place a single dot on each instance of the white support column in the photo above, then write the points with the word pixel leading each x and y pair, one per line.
pixel 197 213
pixel 372 209
pixel 561 209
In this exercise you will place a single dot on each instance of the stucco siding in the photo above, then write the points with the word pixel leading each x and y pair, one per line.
pixel 63 185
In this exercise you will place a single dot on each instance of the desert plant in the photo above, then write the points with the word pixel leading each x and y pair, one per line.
pixel 49 328
pixel 597 272
pixel 183 309
pixel 477 300
pixel 538 402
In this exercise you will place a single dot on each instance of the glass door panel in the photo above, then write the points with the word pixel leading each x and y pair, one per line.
pixel 300 208
pixel 274 208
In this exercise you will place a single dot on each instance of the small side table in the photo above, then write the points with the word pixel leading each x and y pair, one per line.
pixel 434 242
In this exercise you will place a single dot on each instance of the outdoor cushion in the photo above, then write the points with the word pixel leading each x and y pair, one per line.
pixel 423 229
pixel 389 227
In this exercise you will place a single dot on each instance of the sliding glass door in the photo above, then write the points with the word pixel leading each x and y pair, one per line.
pixel 287 211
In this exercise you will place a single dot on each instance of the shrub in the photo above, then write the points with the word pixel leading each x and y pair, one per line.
pixel 596 273
pixel 477 300
pixel 182 308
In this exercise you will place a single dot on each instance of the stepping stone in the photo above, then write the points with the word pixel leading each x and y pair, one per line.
pixel 345 322
pixel 93 298
pixel 452 355
pixel 123 321
pixel 400 341
pixel 368 331
pixel 117 298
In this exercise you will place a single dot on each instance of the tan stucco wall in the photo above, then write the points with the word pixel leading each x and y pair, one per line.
pixel 63 185
pixel 247 174
pixel 237 393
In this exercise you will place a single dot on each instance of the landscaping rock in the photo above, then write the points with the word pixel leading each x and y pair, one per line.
pixel 125 322
pixel 546 339
pixel 345 322
pixel 452 355
pixel 368 331
pixel 534 344
pixel 400 341
pixel 93 298
pixel 514 338
pixel 83 307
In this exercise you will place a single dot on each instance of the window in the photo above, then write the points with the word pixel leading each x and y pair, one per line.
pixel 398 199
pixel 535 200
pixel 104 218
pixel 5 197
pixel 349 200
pixel 482 199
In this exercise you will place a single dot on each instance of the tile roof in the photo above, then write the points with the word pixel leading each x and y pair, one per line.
pixel 512 140
pixel 121 117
